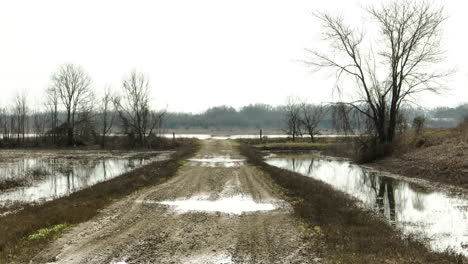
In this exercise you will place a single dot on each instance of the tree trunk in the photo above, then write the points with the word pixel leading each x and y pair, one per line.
pixel 69 130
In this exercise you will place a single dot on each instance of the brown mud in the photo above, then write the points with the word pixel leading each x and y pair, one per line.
pixel 139 229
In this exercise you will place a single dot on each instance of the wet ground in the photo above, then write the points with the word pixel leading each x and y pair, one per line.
pixel 217 209
pixel 53 174
pixel 436 217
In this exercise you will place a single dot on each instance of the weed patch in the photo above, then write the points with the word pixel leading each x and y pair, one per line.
pixel 46 232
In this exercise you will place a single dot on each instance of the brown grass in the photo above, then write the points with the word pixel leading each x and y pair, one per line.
pixel 439 155
pixel 80 206
pixel 351 235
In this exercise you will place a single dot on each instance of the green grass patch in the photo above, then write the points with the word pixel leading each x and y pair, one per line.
pixel 46 232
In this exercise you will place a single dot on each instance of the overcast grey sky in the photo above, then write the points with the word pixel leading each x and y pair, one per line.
pixel 197 53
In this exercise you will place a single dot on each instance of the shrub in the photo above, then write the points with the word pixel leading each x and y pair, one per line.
pixel 419 123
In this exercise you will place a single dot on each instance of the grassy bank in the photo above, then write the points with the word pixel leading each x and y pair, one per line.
pixel 437 155
pixel 350 234
pixel 25 233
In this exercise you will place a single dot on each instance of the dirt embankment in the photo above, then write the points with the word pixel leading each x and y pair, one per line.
pixel 149 227
pixel 444 161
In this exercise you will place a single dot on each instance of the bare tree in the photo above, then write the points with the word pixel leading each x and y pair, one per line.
pixel 293 117
pixel 85 126
pixel 134 108
pixel 310 117
pixel 52 103
pixel 107 114
pixel 39 124
pixel 21 113
pixel 408 43
pixel 4 124
pixel 73 87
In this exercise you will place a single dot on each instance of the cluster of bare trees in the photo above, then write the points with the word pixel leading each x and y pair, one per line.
pixel 14 121
pixel 72 113
pixel 302 118
pixel 385 71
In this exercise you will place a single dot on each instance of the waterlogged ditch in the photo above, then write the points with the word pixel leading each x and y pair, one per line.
pixel 61 176
pixel 435 217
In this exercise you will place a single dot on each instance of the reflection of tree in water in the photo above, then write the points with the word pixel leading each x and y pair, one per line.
pixel 292 164
pixel 311 164
pixel 296 165
pixel 131 163
pixel 383 187
pixel 386 187
pixel 418 201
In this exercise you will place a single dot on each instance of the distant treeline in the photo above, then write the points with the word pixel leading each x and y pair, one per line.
pixel 18 123
pixel 265 116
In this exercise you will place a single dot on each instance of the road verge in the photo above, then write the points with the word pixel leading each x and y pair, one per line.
pixel 351 235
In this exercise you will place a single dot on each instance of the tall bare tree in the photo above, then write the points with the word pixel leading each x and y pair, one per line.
pixel 408 48
pixel 293 117
pixel 310 117
pixel 133 107
pixel 4 124
pixel 73 86
pixel 21 113
pixel 107 114
pixel 52 104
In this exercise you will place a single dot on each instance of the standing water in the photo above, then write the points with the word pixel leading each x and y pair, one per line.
pixel 435 217
pixel 61 176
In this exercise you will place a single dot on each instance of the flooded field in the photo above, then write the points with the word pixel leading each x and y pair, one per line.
pixel 237 136
pixel 435 217
pixel 53 175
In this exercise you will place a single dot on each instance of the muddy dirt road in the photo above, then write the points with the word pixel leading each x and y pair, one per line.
pixel 217 209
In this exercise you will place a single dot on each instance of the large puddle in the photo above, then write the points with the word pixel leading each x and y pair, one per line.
pixel 217 161
pixel 436 217
pixel 210 258
pixel 236 205
pixel 63 176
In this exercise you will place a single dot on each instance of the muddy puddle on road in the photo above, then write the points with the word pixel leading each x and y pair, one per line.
pixel 61 177
pixel 234 205
pixel 437 218
pixel 210 258
pixel 217 161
